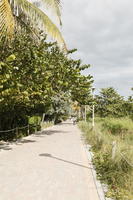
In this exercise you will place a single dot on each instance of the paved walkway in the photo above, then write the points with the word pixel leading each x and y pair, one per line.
pixel 51 165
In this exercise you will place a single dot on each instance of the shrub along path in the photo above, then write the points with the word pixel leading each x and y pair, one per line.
pixel 49 165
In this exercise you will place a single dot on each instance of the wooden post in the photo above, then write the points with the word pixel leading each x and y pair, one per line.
pixel 113 150
pixel 35 128
pixel 42 120
pixel 79 112
pixel 16 131
pixel 28 131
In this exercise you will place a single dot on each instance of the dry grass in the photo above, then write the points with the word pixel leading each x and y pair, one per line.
pixel 117 172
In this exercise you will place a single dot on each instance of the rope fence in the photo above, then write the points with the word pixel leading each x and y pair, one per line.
pixel 18 128
pixel 14 133
pixel 6 131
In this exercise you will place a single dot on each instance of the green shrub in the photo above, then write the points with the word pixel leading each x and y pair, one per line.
pixel 35 123
pixel 36 120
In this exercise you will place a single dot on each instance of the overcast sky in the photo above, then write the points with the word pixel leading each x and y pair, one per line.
pixel 102 31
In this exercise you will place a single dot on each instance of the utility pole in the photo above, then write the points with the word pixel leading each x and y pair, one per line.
pixel 79 112
pixel 93 109
pixel 85 112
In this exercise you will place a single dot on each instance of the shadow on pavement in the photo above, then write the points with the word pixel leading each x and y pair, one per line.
pixel 65 123
pixel 5 147
pixel 23 141
pixel 66 161
pixel 48 132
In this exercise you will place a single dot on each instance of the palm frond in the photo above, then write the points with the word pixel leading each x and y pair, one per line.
pixel 6 19
pixel 40 19
pixel 55 6
pixel 23 26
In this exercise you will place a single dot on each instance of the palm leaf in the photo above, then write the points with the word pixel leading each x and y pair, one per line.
pixel 23 26
pixel 55 6
pixel 40 19
pixel 6 19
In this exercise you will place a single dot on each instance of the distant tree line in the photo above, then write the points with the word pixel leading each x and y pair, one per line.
pixel 109 103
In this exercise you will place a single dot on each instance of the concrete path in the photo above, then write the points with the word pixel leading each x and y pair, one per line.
pixel 51 165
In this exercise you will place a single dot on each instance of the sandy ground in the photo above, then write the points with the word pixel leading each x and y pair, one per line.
pixel 50 165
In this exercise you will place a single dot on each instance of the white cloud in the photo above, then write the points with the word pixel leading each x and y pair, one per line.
pixel 102 30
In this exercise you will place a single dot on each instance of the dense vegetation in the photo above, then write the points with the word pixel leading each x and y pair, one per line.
pixel 114 170
pixel 36 78
pixel 111 141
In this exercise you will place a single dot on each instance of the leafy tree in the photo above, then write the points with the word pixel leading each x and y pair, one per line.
pixel 59 107
pixel 129 106
pixel 109 103
pixel 37 78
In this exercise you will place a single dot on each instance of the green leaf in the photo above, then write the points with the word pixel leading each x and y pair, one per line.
pixel 11 58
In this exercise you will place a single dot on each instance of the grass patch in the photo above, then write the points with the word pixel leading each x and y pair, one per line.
pixel 118 126
pixel 117 173
pixel 46 124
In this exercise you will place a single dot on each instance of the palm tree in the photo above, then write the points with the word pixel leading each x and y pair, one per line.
pixel 9 10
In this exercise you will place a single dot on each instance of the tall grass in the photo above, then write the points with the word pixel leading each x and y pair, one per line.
pixel 46 124
pixel 117 172
pixel 118 126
